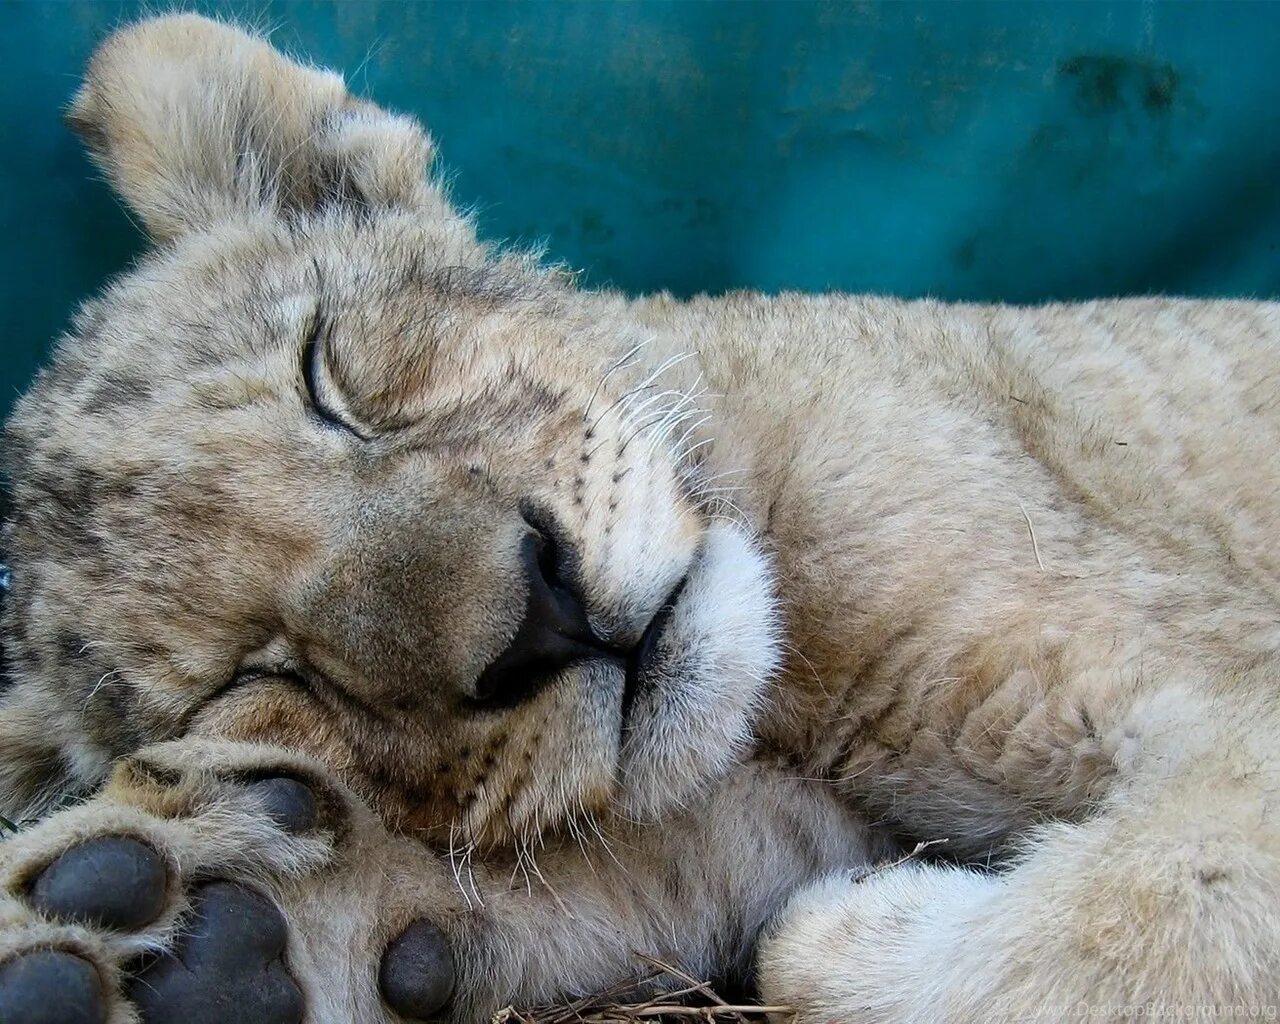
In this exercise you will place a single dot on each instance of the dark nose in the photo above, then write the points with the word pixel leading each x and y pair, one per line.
pixel 554 634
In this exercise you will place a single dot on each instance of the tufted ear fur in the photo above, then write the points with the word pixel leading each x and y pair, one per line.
pixel 195 121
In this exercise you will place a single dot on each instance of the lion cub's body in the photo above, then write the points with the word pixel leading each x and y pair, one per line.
pixel 1029 561
pixel 1024 560
pixel 998 529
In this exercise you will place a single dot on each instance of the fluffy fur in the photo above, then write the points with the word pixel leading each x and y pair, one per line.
pixel 1023 559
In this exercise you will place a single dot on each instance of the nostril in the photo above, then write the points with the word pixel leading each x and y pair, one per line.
pixel 548 560
pixel 554 631
pixel 550 553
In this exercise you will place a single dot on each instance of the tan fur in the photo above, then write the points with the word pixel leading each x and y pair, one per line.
pixel 1025 558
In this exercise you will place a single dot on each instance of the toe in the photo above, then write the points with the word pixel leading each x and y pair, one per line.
pixel 168 992
pixel 234 928
pixel 49 986
pixel 228 966
pixel 417 972
pixel 113 882
pixel 288 803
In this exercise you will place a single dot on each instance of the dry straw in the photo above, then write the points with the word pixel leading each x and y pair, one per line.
pixel 690 1001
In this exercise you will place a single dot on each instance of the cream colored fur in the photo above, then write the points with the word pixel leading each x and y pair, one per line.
pixel 1025 562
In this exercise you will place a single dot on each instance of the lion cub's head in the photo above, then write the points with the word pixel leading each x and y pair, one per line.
pixel 325 470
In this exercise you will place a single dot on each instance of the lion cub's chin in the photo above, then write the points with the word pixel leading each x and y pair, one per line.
pixel 703 690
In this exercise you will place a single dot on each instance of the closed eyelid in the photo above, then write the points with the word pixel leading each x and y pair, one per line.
pixel 318 378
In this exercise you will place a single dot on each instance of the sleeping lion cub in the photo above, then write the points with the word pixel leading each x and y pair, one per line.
pixel 407 598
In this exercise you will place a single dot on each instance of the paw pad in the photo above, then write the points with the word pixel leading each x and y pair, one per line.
pixel 288 803
pixel 416 978
pixel 229 965
pixel 49 986
pixel 112 882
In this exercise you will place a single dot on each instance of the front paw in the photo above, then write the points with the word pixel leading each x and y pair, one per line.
pixel 213 883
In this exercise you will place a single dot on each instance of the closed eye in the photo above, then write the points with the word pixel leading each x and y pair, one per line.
pixel 326 400
pixel 306 679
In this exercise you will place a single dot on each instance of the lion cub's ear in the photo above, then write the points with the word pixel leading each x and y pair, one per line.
pixel 195 121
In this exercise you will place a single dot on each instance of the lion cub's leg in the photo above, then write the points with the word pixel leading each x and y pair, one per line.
pixel 1170 896
pixel 164 899
pixel 694 890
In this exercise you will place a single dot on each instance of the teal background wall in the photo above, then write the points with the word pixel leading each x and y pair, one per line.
pixel 1012 151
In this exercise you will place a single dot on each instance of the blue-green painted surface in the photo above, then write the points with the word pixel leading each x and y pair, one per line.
pixel 1012 151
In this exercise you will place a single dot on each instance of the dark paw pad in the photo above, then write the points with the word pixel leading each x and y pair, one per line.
pixel 51 987
pixel 417 972
pixel 229 965
pixel 288 803
pixel 113 882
